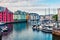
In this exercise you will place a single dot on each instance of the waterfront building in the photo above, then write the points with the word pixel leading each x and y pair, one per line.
pixel 10 17
pixel 49 17
pixel 34 18
pixel 19 16
pixel 27 16
pixel 23 15
pixel 56 30
pixel 59 16
pixel 41 18
pixel 5 15
pixel 16 16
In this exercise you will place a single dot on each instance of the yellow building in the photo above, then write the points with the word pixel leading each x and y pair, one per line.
pixel 27 16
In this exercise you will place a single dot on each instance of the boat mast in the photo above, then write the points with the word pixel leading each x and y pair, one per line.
pixel 49 14
pixel 45 13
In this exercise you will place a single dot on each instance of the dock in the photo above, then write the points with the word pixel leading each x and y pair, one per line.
pixel 56 32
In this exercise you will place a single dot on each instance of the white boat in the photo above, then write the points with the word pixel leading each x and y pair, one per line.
pixel 5 28
pixel 34 27
pixel 2 23
pixel 39 27
pixel 47 29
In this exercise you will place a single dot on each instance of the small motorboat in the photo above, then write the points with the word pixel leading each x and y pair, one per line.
pixel 47 29
pixel 34 27
pixel 2 23
pixel 39 27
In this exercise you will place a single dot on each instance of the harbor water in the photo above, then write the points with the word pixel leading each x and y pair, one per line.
pixel 54 37
pixel 24 31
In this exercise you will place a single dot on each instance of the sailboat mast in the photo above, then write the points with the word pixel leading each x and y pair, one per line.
pixel 45 13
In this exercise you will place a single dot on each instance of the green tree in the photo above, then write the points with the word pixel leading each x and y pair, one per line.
pixel 55 17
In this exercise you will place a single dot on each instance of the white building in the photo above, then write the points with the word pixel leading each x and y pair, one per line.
pixel 59 14
pixel 59 17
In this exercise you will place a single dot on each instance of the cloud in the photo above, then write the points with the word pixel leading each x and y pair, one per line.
pixel 35 6
pixel 5 1
pixel 28 7
pixel 38 10
pixel 29 3
pixel 22 4
pixel 11 1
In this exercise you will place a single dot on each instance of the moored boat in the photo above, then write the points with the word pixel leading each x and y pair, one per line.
pixel 47 29
pixel 2 23
pixel 34 27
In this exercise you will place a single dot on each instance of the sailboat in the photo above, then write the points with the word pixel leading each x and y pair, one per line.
pixel 47 27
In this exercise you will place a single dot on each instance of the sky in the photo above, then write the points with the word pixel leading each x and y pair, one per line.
pixel 32 6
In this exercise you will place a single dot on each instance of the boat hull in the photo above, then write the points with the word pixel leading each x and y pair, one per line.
pixel 47 31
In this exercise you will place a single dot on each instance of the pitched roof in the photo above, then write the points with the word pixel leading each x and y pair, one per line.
pixel 2 9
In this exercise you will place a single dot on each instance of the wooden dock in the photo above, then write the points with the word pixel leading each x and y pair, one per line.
pixel 56 32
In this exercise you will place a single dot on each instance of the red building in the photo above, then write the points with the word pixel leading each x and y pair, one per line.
pixel 9 17
pixel 5 15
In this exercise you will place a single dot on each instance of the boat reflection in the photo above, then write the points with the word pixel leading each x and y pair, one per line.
pixel 23 31
pixel 54 37
pixel 9 29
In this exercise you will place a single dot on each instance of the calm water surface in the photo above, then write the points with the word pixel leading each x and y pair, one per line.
pixel 23 31
pixel 55 37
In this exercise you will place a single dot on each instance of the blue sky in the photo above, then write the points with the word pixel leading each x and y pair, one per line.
pixel 51 2
pixel 46 2
pixel 33 2
pixel 36 6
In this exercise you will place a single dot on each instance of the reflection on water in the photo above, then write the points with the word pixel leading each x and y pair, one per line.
pixel 19 26
pixel 22 31
pixel 10 29
pixel 56 37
